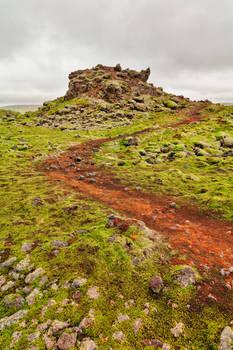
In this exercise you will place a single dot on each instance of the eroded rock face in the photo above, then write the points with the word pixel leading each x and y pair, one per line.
pixel 110 83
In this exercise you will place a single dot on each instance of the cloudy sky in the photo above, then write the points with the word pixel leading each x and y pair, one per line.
pixel 188 44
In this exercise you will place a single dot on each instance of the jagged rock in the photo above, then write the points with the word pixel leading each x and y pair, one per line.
pixel 186 277
pixel 34 275
pixel 7 286
pixel 121 317
pixel 32 296
pixel 15 337
pixel 7 321
pixel 156 284
pixel 23 264
pixel 77 283
pixel 85 323
pixel 58 326
pixel 33 336
pixel 14 300
pixel 178 329
pixel 93 293
pixel 67 341
pixel 9 262
pixel 50 342
pixel 27 247
pixel 88 344
pixel 119 335
pixel 226 339
pixel 137 325
pixel 2 280
pixel 59 244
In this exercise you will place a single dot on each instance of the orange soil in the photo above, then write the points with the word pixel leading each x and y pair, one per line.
pixel 204 241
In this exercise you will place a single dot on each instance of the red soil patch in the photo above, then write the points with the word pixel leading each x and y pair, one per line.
pixel 202 240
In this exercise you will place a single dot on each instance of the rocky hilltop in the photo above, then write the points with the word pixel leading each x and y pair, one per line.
pixel 106 97
pixel 111 83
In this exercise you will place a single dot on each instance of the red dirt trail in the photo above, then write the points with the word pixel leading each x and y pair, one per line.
pixel 201 239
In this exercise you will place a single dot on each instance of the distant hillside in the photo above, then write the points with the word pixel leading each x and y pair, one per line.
pixel 21 108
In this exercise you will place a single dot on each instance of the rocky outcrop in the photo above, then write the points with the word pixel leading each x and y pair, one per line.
pixel 110 83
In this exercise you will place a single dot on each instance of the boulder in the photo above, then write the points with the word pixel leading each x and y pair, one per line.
pixel 156 284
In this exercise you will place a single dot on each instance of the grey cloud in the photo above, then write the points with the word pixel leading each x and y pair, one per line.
pixel 187 44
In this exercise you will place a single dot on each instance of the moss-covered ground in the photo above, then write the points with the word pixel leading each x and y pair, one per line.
pixel 38 211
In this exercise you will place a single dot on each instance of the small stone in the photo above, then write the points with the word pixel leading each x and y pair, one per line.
pixel 121 162
pixel 119 335
pixel 77 295
pixel 9 262
pixel 85 323
pixel 7 321
pixel 33 336
pixel 172 205
pixel 58 326
pixel 137 325
pixel 23 264
pixel 88 344
pixel 67 341
pixel 166 347
pixel 178 329
pixel 59 244
pixel 93 293
pixel 7 286
pixel 43 280
pixel 156 284
pixel 77 283
pixel 27 290
pixel 44 326
pixel 50 342
pixel 122 318
pixel 27 247
pixel 15 338
pixel 2 280
pixel 54 286
pixel 32 296
pixel 186 277
pixel 14 300
pixel 226 339
pixel 34 275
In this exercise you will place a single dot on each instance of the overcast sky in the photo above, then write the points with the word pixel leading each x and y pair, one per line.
pixel 188 44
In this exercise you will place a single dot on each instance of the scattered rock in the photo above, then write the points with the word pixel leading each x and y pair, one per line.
pixel 156 284
pixel 119 335
pixel 8 262
pixel 137 325
pixel 7 286
pixel 88 344
pixel 59 244
pixel 85 323
pixel 77 283
pixel 7 321
pixel 186 277
pixel 33 336
pixel 226 339
pixel 122 318
pixel 15 338
pixel 27 247
pixel 32 296
pixel 58 326
pixel 172 205
pixel 23 264
pixel 2 280
pixel 34 275
pixel 121 162
pixel 50 342
pixel 178 329
pixel 14 300
pixel 93 293
pixel 152 342
pixel 67 341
